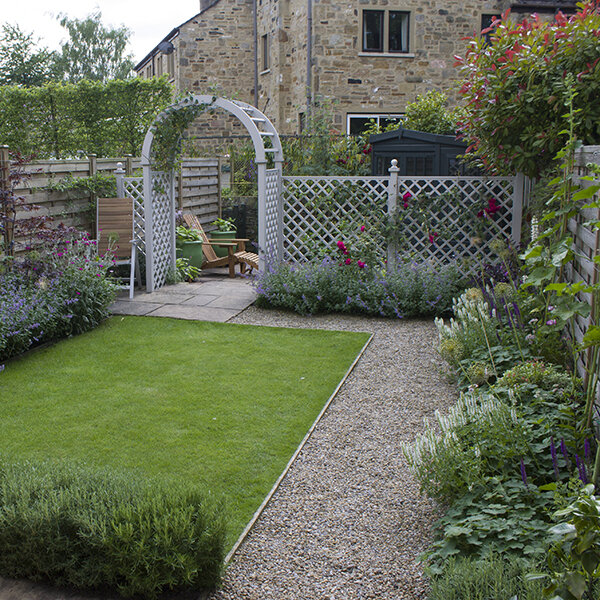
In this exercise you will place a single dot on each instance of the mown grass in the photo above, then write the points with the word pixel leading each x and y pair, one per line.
pixel 220 404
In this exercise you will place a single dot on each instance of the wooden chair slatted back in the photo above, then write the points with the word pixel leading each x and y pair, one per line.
pixel 193 222
pixel 115 226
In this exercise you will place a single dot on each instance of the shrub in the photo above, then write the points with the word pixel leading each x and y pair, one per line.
pixel 332 286
pixel 43 298
pixel 494 577
pixel 89 528
pixel 516 88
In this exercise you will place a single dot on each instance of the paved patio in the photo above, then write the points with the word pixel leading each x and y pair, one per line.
pixel 213 297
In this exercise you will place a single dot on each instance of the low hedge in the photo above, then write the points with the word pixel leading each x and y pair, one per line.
pixel 90 528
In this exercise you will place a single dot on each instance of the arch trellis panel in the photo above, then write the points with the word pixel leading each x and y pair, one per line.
pixel 159 190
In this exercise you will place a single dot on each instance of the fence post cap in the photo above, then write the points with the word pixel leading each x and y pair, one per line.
pixel 394 168
pixel 119 170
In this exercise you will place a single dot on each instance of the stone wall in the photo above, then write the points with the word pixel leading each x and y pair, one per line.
pixel 215 53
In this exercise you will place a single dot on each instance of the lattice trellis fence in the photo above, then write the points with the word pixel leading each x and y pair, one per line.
pixel 272 213
pixel 133 187
pixel 319 211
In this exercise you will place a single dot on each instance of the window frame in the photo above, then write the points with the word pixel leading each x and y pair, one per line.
pixel 377 116
pixel 266 51
pixel 385 33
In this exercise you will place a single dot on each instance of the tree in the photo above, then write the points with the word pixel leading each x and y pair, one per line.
pixel 519 86
pixel 93 51
pixel 430 114
pixel 21 61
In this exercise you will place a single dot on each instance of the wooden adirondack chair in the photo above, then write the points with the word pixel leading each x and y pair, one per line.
pixel 236 250
pixel 115 235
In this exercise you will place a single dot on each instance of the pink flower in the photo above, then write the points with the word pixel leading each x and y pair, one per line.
pixel 551 322
pixel 341 245
pixel 432 237
pixel 361 264
pixel 348 261
pixel 407 196
pixel 362 227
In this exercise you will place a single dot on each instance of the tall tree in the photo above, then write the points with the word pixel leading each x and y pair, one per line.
pixel 93 51
pixel 22 62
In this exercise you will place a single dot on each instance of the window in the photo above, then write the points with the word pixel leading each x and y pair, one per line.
pixel 159 65
pixel 486 22
pixel 385 31
pixel 148 71
pixel 356 124
pixel 171 63
pixel 265 52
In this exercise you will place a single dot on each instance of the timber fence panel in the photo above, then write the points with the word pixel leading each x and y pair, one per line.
pixel 76 208
pixel 586 243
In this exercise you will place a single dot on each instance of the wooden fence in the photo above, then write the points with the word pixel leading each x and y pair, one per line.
pixel 197 187
pixel 586 242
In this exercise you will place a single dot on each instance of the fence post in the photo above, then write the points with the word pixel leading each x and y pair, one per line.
pixel 392 200
pixel 120 177
pixel 517 207
pixel 5 239
pixel 128 165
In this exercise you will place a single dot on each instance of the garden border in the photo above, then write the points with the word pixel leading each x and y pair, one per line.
pixel 299 449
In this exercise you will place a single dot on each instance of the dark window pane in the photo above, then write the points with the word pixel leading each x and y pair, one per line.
pixel 373 31
pixel 398 35
pixel 486 21
pixel 358 125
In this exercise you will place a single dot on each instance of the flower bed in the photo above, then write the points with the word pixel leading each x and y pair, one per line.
pixel 52 295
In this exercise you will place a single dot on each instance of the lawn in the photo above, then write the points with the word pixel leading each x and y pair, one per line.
pixel 220 404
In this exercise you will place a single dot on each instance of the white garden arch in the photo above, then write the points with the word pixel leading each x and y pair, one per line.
pixel 159 188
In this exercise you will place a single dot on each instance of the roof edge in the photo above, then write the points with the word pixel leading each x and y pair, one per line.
pixel 204 6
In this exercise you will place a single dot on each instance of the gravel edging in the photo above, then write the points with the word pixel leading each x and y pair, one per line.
pixel 348 520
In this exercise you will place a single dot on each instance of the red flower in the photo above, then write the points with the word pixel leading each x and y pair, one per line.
pixel 362 227
pixel 432 237
pixel 361 264
pixel 348 261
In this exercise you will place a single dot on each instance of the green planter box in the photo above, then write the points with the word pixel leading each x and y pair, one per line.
pixel 191 250
pixel 221 236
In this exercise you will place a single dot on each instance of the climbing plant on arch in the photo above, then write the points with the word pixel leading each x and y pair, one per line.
pixel 159 155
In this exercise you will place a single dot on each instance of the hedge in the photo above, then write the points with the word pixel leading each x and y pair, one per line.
pixel 88 528
pixel 60 120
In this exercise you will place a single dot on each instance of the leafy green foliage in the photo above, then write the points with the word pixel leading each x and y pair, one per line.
pixel 516 89
pixel 574 559
pixel 429 113
pixel 89 528
pixel 185 271
pixel 504 516
pixel 21 61
pixel 63 120
pixel 93 51
pixel 494 577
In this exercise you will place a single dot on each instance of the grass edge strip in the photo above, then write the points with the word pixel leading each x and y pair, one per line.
pixel 281 477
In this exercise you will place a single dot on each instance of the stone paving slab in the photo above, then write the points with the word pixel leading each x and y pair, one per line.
pixel 215 298
pixel 132 307
pixel 200 299
pixel 194 313
pixel 233 302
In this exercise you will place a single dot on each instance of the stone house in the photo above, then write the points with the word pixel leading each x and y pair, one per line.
pixel 370 57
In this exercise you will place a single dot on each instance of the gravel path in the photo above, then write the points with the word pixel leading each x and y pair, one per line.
pixel 348 521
